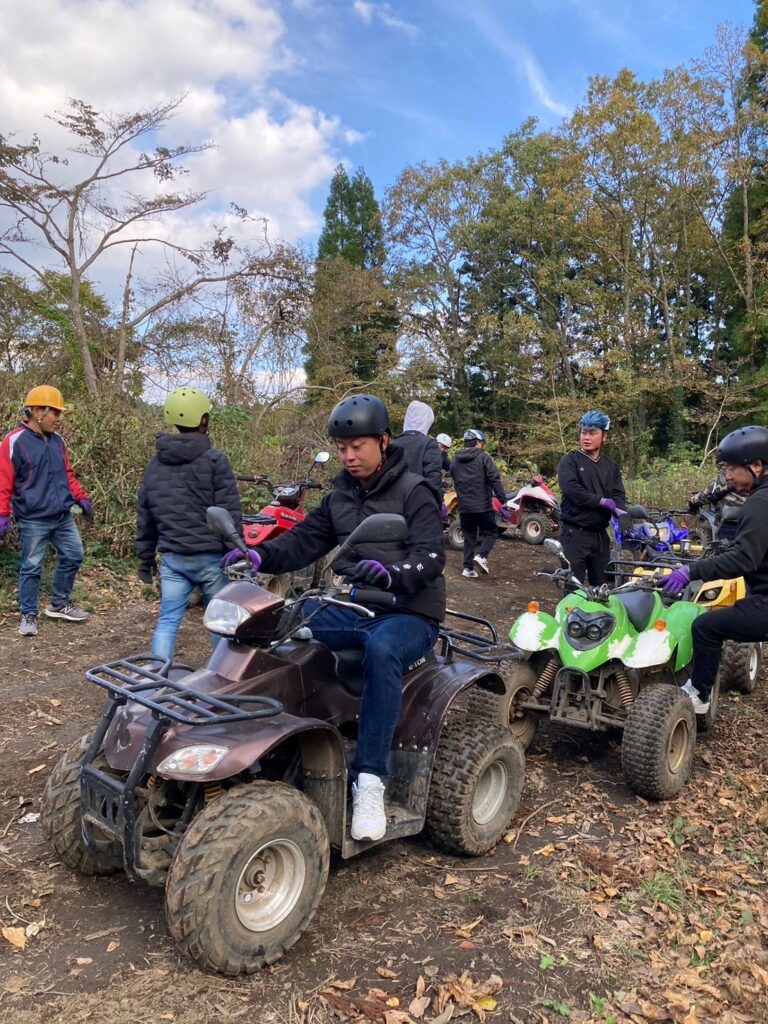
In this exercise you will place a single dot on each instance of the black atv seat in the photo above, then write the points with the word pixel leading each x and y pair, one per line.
pixel 259 519
pixel 639 607
pixel 349 667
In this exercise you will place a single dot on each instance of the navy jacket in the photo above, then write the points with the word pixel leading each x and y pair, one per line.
pixel 36 479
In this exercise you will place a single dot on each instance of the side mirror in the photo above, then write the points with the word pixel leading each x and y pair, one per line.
pixel 554 547
pixel 380 527
pixel 221 522
pixel 638 512
pixel 322 457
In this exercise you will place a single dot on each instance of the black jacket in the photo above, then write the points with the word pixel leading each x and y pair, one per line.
pixel 477 479
pixel 184 477
pixel 583 482
pixel 416 565
pixel 747 556
pixel 423 457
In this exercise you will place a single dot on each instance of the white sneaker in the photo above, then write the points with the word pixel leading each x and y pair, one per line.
pixel 469 574
pixel 699 706
pixel 369 820
pixel 482 562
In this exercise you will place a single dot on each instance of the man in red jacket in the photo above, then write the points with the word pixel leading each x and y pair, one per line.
pixel 38 488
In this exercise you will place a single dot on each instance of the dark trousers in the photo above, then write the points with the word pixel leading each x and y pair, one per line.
pixel 745 622
pixel 588 552
pixel 471 524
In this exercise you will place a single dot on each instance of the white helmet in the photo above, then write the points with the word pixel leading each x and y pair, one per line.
pixel 444 439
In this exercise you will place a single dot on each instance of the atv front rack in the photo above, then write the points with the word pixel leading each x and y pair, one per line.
pixel 131 679
pixel 465 644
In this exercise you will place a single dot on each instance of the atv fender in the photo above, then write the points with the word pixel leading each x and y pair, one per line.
pixel 535 631
pixel 679 618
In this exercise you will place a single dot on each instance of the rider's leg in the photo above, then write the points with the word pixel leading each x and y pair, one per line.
pixel 468 522
pixel 598 557
pixel 745 622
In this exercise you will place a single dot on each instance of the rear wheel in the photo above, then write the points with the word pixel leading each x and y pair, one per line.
pixel 534 528
pixel 659 738
pixel 247 877
pixel 455 536
pixel 740 666
pixel 62 822
pixel 476 785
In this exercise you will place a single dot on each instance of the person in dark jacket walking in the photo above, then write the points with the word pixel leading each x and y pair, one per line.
pixel 592 491
pixel 184 477
pixel 375 478
pixel 38 488
pixel 745 454
pixel 477 478
pixel 444 442
pixel 421 452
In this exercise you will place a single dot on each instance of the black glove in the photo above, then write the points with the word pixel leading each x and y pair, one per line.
pixel 147 572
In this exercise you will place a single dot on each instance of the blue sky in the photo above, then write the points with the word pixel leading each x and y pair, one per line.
pixel 449 78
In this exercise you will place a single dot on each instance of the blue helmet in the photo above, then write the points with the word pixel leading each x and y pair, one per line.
pixel 595 418
pixel 474 435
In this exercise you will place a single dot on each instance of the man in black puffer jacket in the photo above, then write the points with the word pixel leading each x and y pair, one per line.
pixel 375 478
pixel 422 453
pixel 183 478
pixel 477 478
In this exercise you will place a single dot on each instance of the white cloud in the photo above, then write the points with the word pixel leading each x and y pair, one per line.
pixel 123 55
pixel 368 12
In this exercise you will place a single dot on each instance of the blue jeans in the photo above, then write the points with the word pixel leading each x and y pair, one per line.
pixel 391 643
pixel 179 575
pixel 36 535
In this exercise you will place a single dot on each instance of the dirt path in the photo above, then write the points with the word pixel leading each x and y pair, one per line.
pixel 597 907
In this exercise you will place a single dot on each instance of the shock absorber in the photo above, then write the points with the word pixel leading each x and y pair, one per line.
pixel 625 688
pixel 211 790
pixel 545 679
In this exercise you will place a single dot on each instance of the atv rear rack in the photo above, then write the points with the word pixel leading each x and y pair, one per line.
pixel 472 645
pixel 131 679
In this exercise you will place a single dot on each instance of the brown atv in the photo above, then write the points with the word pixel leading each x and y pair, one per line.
pixel 228 785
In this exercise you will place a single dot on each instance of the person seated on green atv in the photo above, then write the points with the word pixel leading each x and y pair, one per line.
pixel 745 454
pixel 374 478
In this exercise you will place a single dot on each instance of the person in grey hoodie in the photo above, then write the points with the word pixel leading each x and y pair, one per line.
pixel 421 453
pixel 476 478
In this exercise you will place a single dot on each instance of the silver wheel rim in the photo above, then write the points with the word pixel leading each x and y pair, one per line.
pixel 270 885
pixel 754 661
pixel 534 528
pixel 490 792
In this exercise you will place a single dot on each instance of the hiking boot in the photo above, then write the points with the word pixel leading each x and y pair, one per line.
pixel 368 818
pixel 469 574
pixel 482 562
pixel 67 611
pixel 700 706
pixel 28 624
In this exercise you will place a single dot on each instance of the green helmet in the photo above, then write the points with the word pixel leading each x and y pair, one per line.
pixel 185 407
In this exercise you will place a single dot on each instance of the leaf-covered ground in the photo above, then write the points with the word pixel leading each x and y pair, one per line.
pixel 597 907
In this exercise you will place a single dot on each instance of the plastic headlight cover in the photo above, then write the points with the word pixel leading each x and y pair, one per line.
pixel 223 617
pixel 712 592
pixel 663 533
pixel 197 760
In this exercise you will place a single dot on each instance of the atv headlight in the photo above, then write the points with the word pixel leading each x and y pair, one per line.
pixel 198 760
pixel 712 593
pixel 594 631
pixel 223 617
pixel 575 629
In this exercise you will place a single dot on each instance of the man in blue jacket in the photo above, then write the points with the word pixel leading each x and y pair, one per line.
pixel 38 488
pixel 185 476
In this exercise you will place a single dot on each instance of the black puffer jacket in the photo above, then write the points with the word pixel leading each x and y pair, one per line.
pixel 747 556
pixel 415 565
pixel 184 477
pixel 477 479
pixel 422 456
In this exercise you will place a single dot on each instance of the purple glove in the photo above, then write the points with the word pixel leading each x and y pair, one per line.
pixel 236 555
pixel 610 504
pixel 87 507
pixel 677 580
pixel 444 511
pixel 505 513
pixel 373 573
pixel 5 524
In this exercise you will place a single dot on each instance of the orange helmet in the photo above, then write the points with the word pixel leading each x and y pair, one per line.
pixel 45 396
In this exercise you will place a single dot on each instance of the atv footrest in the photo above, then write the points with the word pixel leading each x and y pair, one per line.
pixel 132 679
pixel 103 801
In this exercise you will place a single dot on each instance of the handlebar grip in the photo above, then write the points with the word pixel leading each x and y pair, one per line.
pixel 370 595
pixel 250 479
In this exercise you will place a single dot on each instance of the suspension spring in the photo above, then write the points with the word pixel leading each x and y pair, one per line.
pixel 211 791
pixel 625 688
pixel 545 679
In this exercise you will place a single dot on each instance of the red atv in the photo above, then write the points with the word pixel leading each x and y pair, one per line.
pixel 282 513
pixel 533 509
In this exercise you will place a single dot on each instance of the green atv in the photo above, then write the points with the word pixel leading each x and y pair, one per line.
pixel 612 658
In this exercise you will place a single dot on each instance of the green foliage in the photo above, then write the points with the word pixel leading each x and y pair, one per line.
pixel 352 227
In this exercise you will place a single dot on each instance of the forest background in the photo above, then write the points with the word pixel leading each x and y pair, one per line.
pixel 618 261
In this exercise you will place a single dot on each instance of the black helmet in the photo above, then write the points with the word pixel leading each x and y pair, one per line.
pixel 745 445
pixel 359 416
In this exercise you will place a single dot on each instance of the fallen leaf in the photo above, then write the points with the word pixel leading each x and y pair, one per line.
pixel 16 936
pixel 419 1005
pixel 545 851
pixel 485 1003
pixel 466 944
pixel 113 946
pixel 83 961
pixel 451 880
pixel 55 702
pixel 384 972
pixel 393 1001
pixel 33 928
pixel 344 986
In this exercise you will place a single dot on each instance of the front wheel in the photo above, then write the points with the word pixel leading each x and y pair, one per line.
pixel 659 738
pixel 740 666
pixel 247 877
pixel 534 528
pixel 476 785
pixel 61 817
pixel 455 536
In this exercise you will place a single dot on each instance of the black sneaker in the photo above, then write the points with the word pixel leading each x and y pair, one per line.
pixel 67 611
pixel 28 624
